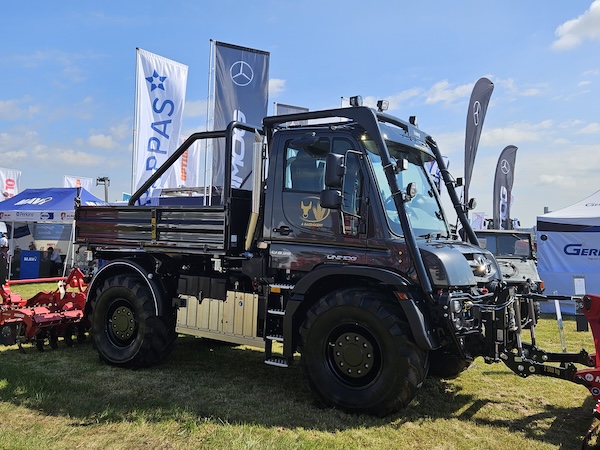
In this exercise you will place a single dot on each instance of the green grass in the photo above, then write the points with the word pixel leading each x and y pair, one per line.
pixel 210 395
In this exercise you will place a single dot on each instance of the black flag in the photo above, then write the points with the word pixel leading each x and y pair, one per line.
pixel 241 94
pixel 480 97
pixel 503 183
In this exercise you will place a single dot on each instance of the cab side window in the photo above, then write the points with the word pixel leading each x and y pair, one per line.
pixel 305 170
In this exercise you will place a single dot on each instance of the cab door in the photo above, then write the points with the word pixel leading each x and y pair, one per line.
pixel 304 234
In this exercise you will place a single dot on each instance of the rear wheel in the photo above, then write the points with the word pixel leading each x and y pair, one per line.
pixel 125 328
pixel 359 355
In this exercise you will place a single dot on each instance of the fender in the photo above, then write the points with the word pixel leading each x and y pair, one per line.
pixel 121 266
pixel 419 323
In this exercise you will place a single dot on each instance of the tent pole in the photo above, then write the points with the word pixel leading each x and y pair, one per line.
pixel 11 251
pixel 71 249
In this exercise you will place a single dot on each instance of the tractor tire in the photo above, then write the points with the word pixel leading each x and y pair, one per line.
pixel 445 364
pixel 359 355
pixel 125 328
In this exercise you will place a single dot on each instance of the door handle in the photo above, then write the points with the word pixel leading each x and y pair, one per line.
pixel 284 230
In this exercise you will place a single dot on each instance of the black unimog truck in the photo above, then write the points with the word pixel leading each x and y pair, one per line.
pixel 336 248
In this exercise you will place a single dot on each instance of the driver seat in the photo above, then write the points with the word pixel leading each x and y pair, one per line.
pixel 306 174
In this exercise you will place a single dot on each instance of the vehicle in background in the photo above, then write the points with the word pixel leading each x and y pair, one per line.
pixel 515 253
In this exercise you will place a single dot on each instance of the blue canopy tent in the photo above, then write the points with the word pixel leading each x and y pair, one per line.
pixel 46 205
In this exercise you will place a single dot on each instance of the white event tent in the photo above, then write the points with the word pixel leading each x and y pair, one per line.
pixel 568 248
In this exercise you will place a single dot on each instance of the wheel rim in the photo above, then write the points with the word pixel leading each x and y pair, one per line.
pixel 122 324
pixel 354 355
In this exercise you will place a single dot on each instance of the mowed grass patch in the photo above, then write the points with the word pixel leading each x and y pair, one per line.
pixel 219 396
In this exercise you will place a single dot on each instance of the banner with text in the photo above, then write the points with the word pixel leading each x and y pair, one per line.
pixel 478 103
pixel 503 184
pixel 84 182
pixel 10 181
pixel 189 168
pixel 241 94
pixel 160 98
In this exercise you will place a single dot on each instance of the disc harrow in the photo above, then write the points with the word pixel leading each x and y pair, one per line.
pixel 46 316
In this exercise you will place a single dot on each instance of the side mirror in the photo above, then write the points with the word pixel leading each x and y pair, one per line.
pixel 472 204
pixel 331 198
pixel 334 170
pixel 459 182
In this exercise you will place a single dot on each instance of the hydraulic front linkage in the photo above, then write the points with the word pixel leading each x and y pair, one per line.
pixel 530 360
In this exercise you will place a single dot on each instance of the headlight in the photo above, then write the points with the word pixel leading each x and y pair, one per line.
pixel 456 306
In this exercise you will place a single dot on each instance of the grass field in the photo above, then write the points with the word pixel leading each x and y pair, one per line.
pixel 211 395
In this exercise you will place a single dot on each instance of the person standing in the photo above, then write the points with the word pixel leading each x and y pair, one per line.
pixel 4 259
pixel 56 262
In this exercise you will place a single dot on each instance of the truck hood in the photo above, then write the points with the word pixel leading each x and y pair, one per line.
pixel 457 263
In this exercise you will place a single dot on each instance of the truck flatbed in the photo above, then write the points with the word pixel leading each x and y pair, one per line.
pixel 167 228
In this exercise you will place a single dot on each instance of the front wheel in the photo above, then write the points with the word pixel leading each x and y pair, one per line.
pixel 125 328
pixel 359 355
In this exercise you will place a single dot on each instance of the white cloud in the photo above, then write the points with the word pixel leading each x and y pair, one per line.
pixel 17 143
pixel 590 128
pixel 102 141
pixel 18 109
pixel 516 133
pixel 13 157
pixel 557 181
pixel 122 130
pixel 442 92
pixel 276 86
pixel 509 88
pixel 573 32
pixel 395 101
pixel 67 157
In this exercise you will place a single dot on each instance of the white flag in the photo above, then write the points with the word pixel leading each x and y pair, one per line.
pixel 189 169
pixel 84 182
pixel 10 180
pixel 160 97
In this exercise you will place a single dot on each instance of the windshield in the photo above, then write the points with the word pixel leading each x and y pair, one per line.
pixel 424 211
pixel 506 245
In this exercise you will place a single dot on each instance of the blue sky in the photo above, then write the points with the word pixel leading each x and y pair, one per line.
pixel 68 77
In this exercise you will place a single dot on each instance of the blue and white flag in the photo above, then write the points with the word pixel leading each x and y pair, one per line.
pixel 160 98
pixel 435 173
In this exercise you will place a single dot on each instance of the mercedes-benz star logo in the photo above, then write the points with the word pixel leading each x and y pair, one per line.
pixel 505 167
pixel 241 73
pixel 476 112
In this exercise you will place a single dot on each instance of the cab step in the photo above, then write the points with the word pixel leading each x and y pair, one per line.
pixel 278 362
